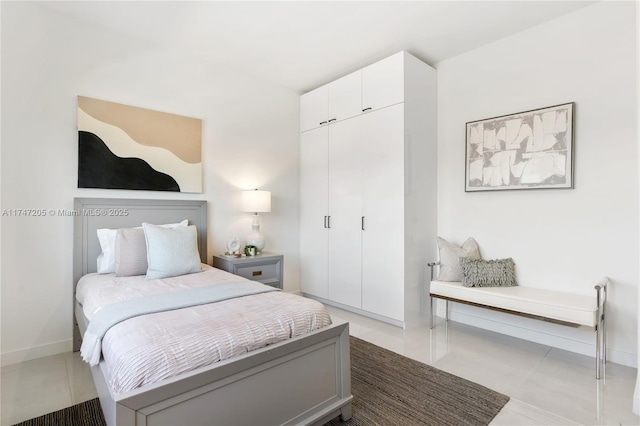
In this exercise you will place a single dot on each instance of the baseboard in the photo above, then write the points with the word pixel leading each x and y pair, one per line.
pixel 22 355
pixel 356 310
pixel 578 340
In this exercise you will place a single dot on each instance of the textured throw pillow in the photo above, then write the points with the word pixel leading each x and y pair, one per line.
pixel 488 273
pixel 450 255
pixel 130 252
pixel 171 251
pixel 107 238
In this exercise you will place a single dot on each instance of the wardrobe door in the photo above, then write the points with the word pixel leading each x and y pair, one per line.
pixel 314 238
pixel 383 212
pixel 345 97
pixel 383 83
pixel 314 108
pixel 345 239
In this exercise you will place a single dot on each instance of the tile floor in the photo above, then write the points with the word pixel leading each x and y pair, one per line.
pixel 40 386
pixel 547 386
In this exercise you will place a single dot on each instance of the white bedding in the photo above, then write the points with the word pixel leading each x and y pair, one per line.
pixel 153 347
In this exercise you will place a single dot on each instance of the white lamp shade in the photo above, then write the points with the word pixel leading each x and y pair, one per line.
pixel 256 201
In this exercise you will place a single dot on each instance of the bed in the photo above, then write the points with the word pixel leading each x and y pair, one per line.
pixel 302 380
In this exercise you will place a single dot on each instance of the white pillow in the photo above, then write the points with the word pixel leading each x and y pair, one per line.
pixel 450 254
pixel 107 258
pixel 171 252
pixel 107 238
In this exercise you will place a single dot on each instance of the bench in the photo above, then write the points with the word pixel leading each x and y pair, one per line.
pixel 547 305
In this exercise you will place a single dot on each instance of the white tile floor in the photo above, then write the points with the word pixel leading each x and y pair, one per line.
pixel 547 386
pixel 33 388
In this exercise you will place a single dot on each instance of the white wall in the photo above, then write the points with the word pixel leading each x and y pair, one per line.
pixel 250 140
pixel 560 239
pixel 636 394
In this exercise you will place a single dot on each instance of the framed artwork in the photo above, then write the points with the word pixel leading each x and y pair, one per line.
pixel 126 147
pixel 527 150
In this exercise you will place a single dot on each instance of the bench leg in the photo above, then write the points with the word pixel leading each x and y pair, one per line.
pixel 446 311
pixel 598 351
pixel 601 329
pixel 431 312
pixel 604 343
pixel 601 347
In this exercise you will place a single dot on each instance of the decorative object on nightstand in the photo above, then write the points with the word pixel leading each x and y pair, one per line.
pixel 265 267
pixel 233 247
pixel 256 202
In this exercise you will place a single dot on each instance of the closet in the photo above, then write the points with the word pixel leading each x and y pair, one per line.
pixel 368 194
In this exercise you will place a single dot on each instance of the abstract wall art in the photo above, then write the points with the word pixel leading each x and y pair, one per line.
pixel 526 150
pixel 126 147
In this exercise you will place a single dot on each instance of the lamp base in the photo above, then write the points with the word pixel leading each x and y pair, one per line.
pixel 255 238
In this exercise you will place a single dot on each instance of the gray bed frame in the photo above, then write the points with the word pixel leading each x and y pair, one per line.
pixel 305 380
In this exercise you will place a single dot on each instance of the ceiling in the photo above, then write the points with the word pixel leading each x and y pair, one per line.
pixel 304 44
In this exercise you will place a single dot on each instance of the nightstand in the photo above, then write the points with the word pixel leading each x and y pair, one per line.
pixel 264 267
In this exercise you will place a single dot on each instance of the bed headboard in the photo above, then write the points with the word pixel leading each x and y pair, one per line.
pixel 95 213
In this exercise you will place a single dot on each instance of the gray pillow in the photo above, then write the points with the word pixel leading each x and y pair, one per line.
pixel 130 252
pixel 171 252
pixel 488 273
pixel 450 255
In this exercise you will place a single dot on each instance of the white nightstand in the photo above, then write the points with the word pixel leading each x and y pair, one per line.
pixel 264 267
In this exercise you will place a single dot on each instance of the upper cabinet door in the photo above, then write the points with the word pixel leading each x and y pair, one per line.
pixel 314 108
pixel 345 97
pixel 383 83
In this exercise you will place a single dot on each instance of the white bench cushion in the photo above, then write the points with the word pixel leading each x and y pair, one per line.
pixel 573 308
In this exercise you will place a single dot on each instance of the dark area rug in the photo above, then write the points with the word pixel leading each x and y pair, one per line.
pixel 391 389
pixel 387 389
pixel 87 413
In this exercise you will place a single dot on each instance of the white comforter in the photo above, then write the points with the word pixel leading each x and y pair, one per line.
pixel 153 347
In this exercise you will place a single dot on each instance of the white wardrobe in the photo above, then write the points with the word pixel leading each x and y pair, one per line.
pixel 368 189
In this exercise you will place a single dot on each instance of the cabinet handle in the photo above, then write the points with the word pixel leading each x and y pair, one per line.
pixel 329 222
pixel 362 223
pixel 325 222
pixel 367 109
pixel 323 122
pixel 256 273
pixel 333 119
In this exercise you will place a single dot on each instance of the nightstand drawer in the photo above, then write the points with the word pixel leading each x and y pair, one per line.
pixel 266 271
pixel 265 267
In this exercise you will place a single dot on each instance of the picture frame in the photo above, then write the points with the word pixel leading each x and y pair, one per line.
pixel 526 150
